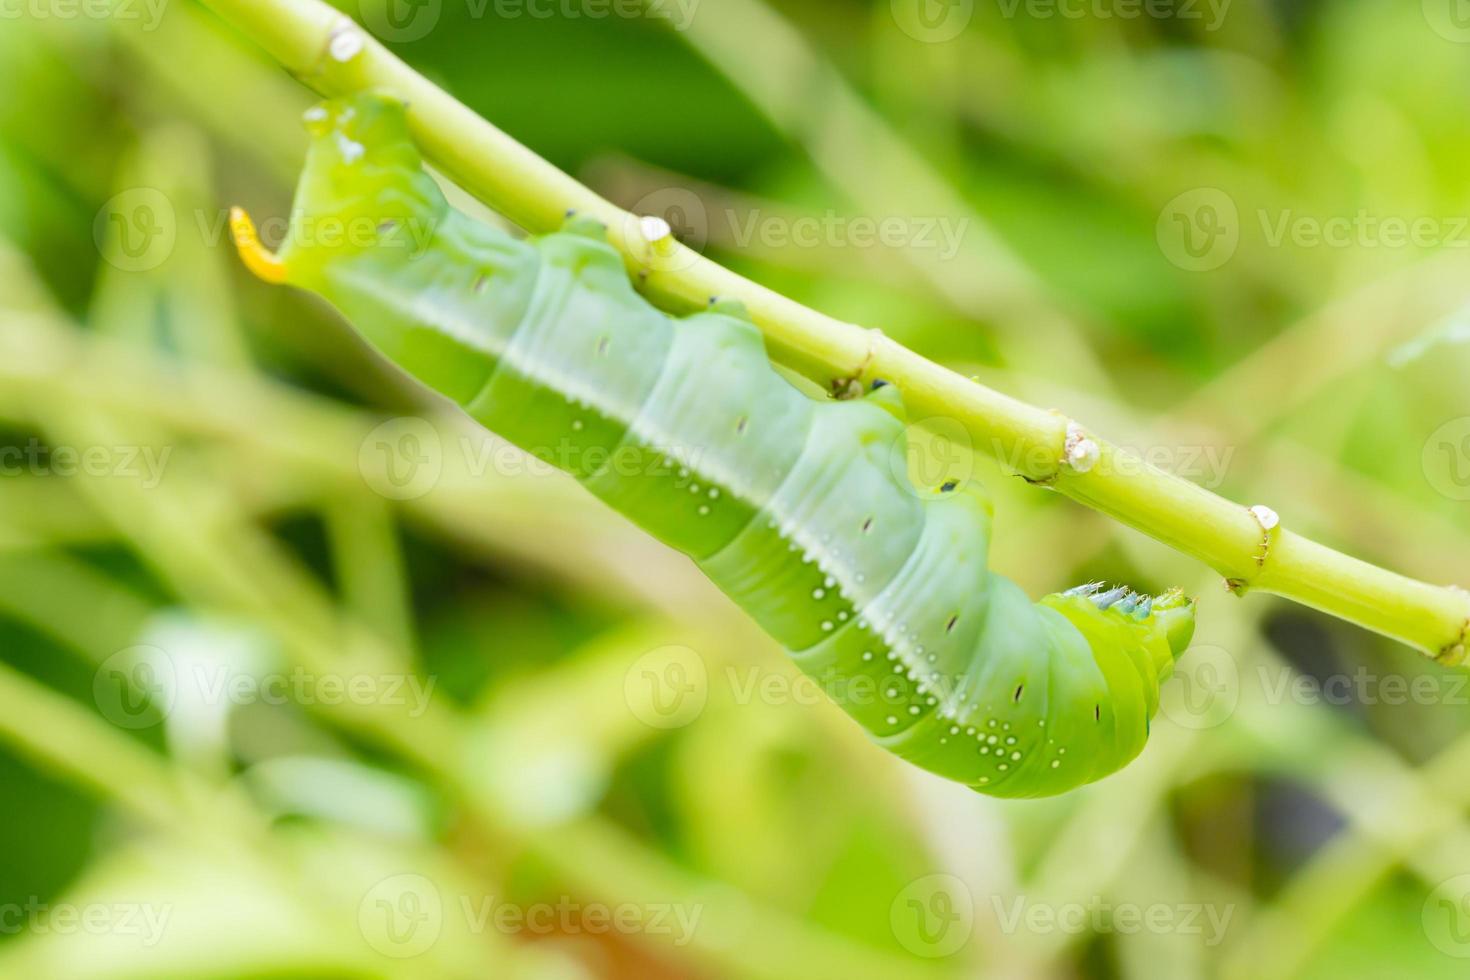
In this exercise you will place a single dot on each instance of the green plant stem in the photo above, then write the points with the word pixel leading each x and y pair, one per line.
pixel 329 52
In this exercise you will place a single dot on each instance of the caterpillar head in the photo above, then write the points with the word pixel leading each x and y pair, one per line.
pixel 363 186
pixel 1162 624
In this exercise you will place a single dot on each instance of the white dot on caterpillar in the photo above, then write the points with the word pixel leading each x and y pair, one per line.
pixel 818 593
pixel 714 493
pixel 693 488
pixel 991 739
pixel 1016 756
pixel 1011 740
pixel 842 614
pixel 351 150
pixel 1056 763
pixel 703 510
pixel 826 626
pixel 1002 767
pixel 867 655
pixel 891 720
pixel 913 709
pixel 576 425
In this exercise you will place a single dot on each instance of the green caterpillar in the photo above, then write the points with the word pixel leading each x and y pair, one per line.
pixel 789 504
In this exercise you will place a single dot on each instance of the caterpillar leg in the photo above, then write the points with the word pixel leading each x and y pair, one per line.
pixel 583 226
pixel 257 258
pixel 886 396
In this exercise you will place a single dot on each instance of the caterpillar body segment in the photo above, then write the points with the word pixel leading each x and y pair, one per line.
pixel 879 589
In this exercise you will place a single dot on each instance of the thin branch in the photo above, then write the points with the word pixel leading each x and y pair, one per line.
pixel 329 52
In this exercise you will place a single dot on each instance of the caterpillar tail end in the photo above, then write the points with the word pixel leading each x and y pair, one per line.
pixel 265 264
